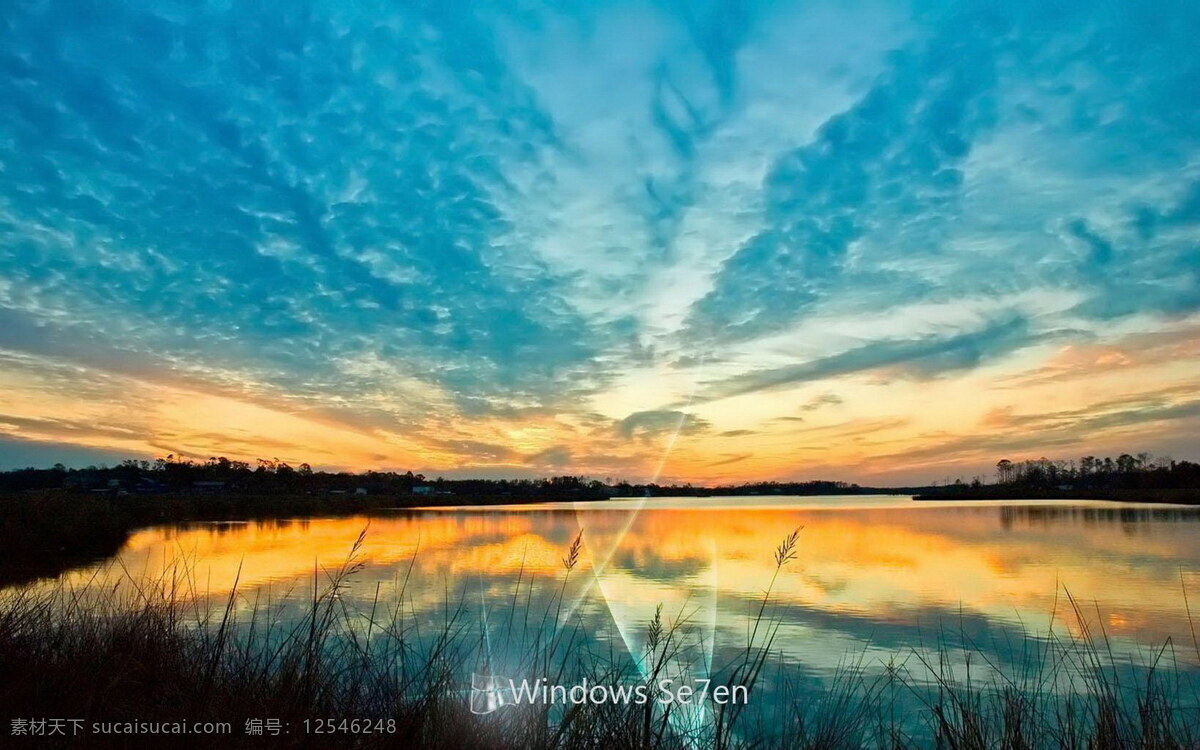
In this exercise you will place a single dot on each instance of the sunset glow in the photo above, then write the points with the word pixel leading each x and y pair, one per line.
pixel 784 241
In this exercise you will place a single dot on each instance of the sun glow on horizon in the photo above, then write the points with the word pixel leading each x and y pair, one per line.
pixel 873 243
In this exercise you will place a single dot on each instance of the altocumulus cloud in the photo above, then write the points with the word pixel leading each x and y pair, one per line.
pixel 276 197
pixel 388 214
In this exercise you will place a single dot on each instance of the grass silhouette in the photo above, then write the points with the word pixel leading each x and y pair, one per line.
pixel 157 652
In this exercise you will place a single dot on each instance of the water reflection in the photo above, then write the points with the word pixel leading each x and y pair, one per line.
pixel 872 576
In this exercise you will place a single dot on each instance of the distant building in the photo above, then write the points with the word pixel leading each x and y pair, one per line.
pixel 422 489
pixel 360 491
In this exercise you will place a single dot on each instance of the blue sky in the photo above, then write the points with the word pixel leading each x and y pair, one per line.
pixel 518 238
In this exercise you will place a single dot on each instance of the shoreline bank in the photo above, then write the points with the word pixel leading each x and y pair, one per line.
pixel 1173 496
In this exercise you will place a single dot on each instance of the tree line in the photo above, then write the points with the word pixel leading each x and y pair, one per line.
pixel 218 474
pixel 1126 471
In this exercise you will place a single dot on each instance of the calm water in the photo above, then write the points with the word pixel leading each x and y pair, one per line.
pixel 874 577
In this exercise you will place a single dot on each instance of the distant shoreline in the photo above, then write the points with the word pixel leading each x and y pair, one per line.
pixel 1175 496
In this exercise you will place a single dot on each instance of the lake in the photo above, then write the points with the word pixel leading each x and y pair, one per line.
pixel 875 581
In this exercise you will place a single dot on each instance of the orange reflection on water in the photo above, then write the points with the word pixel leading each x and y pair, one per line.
pixel 870 566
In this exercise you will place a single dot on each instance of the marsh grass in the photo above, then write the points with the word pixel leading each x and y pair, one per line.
pixel 155 651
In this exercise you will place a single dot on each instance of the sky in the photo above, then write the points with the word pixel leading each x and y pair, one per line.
pixel 701 241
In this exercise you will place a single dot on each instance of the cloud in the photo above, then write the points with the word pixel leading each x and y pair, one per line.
pixel 649 424
pixel 480 451
pixel 555 456
pixel 382 234
pixel 821 401
pixel 1105 415
pixel 893 157
pixel 897 197
pixel 1130 423
pixel 67 428
pixel 919 357
pixel 728 460
pixel 460 220
pixel 1082 360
